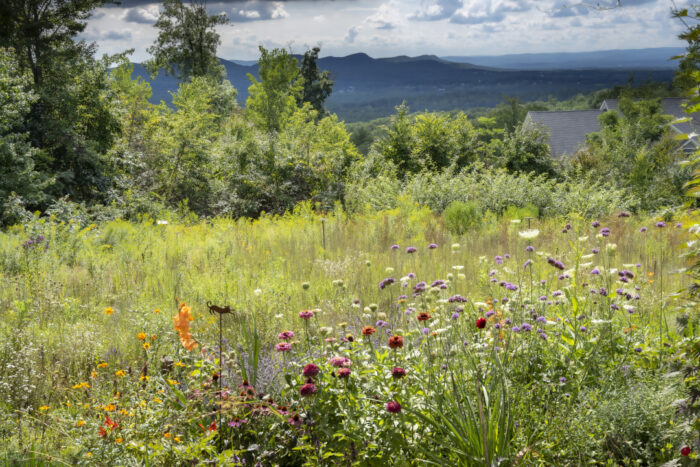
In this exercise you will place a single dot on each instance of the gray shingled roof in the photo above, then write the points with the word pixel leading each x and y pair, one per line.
pixel 670 106
pixel 567 128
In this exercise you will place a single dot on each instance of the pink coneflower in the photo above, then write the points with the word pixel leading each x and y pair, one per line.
pixel 308 389
pixel 283 347
pixel 306 314
pixel 393 407
pixel 286 335
pixel 310 370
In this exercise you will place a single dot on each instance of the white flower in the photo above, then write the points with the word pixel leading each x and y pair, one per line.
pixel 515 221
pixel 458 267
pixel 389 270
pixel 613 271
pixel 257 291
pixel 611 247
pixel 161 222
pixel 529 234
pixel 585 265
pixel 589 256
pixel 456 246
pixel 583 239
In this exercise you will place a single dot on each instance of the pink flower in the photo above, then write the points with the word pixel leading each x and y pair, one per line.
pixel 310 370
pixel 308 389
pixel 344 372
pixel 398 373
pixel 339 362
pixel 306 314
pixel 393 407
pixel 283 346
pixel 286 335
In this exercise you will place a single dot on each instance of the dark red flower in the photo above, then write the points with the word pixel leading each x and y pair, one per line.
pixel 481 323
pixel 393 407
pixel 424 316
pixel 308 389
pixel 212 427
pixel 685 451
pixel 310 370
pixel 395 342
pixel 344 372
pixel 102 432
pixel 398 372
pixel 368 331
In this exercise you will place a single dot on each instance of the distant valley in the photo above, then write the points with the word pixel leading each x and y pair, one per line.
pixel 367 87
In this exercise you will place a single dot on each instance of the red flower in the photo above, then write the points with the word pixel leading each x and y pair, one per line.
pixel 685 450
pixel 393 407
pixel 344 372
pixel 111 423
pixel 102 432
pixel 481 323
pixel 310 370
pixel 212 427
pixel 395 342
pixel 398 372
pixel 424 316
pixel 308 389
pixel 368 331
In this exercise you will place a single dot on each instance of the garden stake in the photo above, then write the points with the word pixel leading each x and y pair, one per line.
pixel 221 312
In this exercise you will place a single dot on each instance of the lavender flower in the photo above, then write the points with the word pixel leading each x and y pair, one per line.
pixel 432 246
pixel 530 249
pixel 411 249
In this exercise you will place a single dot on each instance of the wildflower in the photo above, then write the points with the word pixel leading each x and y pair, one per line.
pixel 237 423
pixel 146 345
pixel 411 249
pixel 340 362
pixel 172 382
pixel 643 229
pixel 119 440
pixel 527 263
pixel 283 347
pixel 308 389
pixel 310 370
pixel 44 408
pixel 638 349
pixel 180 364
pixel 595 251
pixel 344 372
pixel 623 214
pixel 81 385
pixel 529 234
pixel 156 311
pixel 398 373
pixel 583 329
pixel 393 407
pixel 182 326
pixel 119 373
pixel 141 336
pixel 679 225
pixel 605 232
pixel 386 282
pixel 455 316
pixel 381 324
pixel 498 259
pixel 526 327
pixel 595 272
pixel 661 224
pixel 595 224
pixel 285 335
pixel 80 423
pixel 432 246
pixel 562 379
pixel 530 249
pixel 213 426
pixel 101 432
pixel 368 331
pixel 395 342
pixel 423 316
pixel 425 331
pixel 685 451
pixel 456 299
pixel 395 247
pixel 306 314
pixel 481 323
pixel 109 310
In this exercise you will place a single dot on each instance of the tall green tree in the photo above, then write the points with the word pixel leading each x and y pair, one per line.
pixel 273 99
pixel 318 84
pixel 187 41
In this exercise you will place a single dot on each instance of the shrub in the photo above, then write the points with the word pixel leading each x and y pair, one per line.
pixel 461 216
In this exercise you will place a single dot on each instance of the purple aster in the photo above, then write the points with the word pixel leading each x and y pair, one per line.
pixel 530 249
pixel 595 224
pixel 643 229
pixel 432 246
pixel 605 232
pixel 661 224
pixel 395 247
pixel 411 249
pixel 498 259
pixel 595 271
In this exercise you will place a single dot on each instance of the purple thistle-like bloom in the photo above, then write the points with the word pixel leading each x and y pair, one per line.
pixel 563 277
pixel 595 224
pixel 527 263
pixel 456 299
pixel 455 316
pixel 504 300
pixel 526 327
pixel 661 224
pixel 595 272
pixel 497 325
pixel 583 329
pixel 395 247
pixel 411 249
pixel 637 297
pixel 603 291
pixel 580 317
pixel 516 329
pixel 530 249
pixel 432 246
pixel 410 275
pixel 506 256
pixel 425 331
pixel 614 307
pixel 543 298
pixel 381 324
pixel 543 282
pixel 638 349
pixel 498 259
pixel 443 286
pixel 623 214
pixel 562 380
pixel 605 232
pixel 386 282
pixel 507 321
pixel 543 335
pixel 595 251
pixel 492 273
pixel 620 291
pixel 643 229
pixel 557 293
pixel 489 313
pixel 511 287
pixel 493 279
pixel 679 225
pixel 541 319
pixel 437 283
pixel 630 310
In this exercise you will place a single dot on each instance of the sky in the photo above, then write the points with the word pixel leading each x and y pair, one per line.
pixel 385 28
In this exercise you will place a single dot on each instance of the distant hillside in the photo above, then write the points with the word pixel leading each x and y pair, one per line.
pixel 639 59
pixel 367 87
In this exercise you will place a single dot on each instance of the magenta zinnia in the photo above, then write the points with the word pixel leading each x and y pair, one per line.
pixel 308 389
pixel 393 407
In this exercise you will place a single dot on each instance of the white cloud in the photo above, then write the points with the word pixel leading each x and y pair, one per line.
pixel 351 35
pixel 146 15
pixel 387 16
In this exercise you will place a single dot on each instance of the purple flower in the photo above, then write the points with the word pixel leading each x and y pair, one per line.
pixel 614 307
pixel 516 329
pixel 308 389
pixel 498 259
pixel 562 380
pixel 410 275
pixel 530 249
pixel 386 282
pixel 512 287
pixel 638 349
pixel 283 347
pixel 661 224
pixel 603 291
pixel 497 325
pixel 456 299
pixel 425 331
pixel 623 214
pixel 411 249
pixel 489 313
pixel 679 225
pixel 432 246
pixel 605 232
pixel 492 273
pixel 380 324
pixel 595 251
pixel 455 316
pixel 395 247
pixel 526 327
pixel 543 298
pixel 643 229
pixel 541 319
pixel 595 224
pixel 556 293
pixel 583 329
pixel 507 321
pixel 595 272
pixel 506 256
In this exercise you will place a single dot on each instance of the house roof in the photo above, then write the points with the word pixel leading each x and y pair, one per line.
pixel 567 128
pixel 669 106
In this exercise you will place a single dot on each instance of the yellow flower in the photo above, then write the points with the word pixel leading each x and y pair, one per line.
pixel 93 374
pixel 80 423
pixel 102 365
pixel 124 412
pixel 81 385
pixel 146 345
pixel 119 373
pixel 110 408
pixel 179 363
pixel 89 454
pixel 109 310
pixel 68 404
pixel 156 400
pixel 166 435
pixel 157 310
pixel 144 378
pixel 141 336
pixel 173 382
pixel 119 440
pixel 153 337
pixel 177 439
pixel 182 326
pixel 44 408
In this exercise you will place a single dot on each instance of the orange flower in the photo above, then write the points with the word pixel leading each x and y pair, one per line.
pixel 424 316
pixel 395 342
pixel 368 331
pixel 182 326
pixel 141 336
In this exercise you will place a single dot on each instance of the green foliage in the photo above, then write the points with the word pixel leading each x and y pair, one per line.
pixel 461 216
pixel 318 85
pixel 272 100
pixel 187 41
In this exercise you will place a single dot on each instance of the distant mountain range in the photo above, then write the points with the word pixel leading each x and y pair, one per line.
pixel 367 87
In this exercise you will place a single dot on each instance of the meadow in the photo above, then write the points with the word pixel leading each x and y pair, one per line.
pixel 380 339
